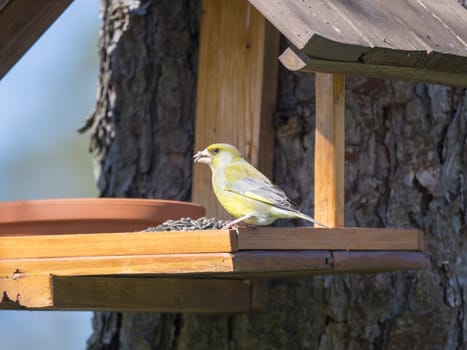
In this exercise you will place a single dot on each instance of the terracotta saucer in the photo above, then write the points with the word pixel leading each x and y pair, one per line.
pixel 90 215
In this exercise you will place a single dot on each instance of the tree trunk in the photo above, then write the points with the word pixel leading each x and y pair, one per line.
pixel 406 164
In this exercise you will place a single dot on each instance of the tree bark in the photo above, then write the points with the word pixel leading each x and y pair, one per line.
pixel 406 165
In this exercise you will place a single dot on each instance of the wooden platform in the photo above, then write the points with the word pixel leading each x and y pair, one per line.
pixel 191 271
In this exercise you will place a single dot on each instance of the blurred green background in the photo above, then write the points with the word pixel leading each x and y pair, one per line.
pixel 44 99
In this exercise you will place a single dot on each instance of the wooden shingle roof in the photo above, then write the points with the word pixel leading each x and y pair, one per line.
pixel 417 40
pixel 413 40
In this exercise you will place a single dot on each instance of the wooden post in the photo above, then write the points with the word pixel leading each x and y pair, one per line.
pixel 236 93
pixel 329 149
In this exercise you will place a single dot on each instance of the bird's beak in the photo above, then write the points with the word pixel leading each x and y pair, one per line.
pixel 202 157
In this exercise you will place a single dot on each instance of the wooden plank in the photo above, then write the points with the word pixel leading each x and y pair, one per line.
pixel 267 263
pixel 172 264
pixel 368 262
pixel 446 63
pixel 111 244
pixel 349 238
pixel 177 243
pixel 176 264
pixel 152 294
pixel 452 18
pixel 421 40
pixel 422 25
pixel 295 62
pixel 397 24
pixel 22 22
pixel 402 25
pixel 329 149
pixel 297 21
pixel 222 292
pixel 309 263
pixel 26 291
pixel 236 91
pixel 259 294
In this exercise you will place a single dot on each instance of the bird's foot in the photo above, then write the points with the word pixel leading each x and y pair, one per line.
pixel 236 227
pixel 231 226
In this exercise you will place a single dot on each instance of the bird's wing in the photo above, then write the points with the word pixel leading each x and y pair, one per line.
pixel 247 181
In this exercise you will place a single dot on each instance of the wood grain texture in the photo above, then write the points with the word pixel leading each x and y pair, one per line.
pixel 424 34
pixel 418 25
pixel 164 244
pixel 112 244
pixel 236 90
pixel 259 294
pixel 353 238
pixel 329 149
pixel 267 263
pixel 177 264
pixel 22 22
pixel 224 291
pixel 152 294
pixel 299 62
pixel 346 262
pixel 251 262
pixel 26 291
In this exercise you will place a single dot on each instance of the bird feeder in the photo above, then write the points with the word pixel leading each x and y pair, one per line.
pixel 220 270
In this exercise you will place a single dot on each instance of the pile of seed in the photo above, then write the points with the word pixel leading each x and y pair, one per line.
pixel 188 224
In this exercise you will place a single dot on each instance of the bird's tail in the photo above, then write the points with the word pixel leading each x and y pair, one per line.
pixel 310 219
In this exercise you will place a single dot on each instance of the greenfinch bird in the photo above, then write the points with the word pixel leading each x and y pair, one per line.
pixel 243 191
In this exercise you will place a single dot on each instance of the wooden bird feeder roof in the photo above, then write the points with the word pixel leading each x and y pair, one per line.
pixel 417 40
pixel 411 40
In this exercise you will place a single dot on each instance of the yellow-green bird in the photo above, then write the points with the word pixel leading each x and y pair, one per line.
pixel 243 191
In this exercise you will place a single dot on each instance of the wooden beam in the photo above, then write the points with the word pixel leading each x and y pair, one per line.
pixel 308 263
pixel 144 244
pixel 393 39
pixel 152 294
pixel 175 292
pixel 329 149
pixel 236 93
pixel 21 291
pixel 177 264
pixel 299 62
pixel 113 293
pixel 247 263
pixel 259 294
pixel 353 238
pixel 112 244
pixel 22 22
pixel 368 262
pixel 266 263
pixel 169 265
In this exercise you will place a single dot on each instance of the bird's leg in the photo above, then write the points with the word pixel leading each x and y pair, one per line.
pixel 233 224
pixel 317 223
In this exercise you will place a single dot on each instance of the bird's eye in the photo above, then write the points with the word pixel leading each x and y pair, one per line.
pixel 216 150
